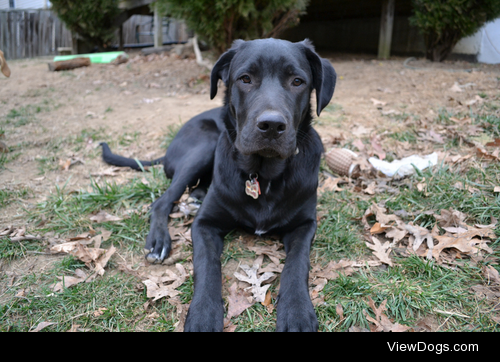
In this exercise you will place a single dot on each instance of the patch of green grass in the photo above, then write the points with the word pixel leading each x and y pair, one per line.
pixel 442 193
pixel 110 303
pixel 490 122
pixel 413 288
pixel 69 213
pixel 9 196
pixel 127 139
pixel 332 114
pixel 26 114
pixel 338 234
pixel 47 164
pixel 10 250
pixel 404 136
pixel 3 160
pixel 172 131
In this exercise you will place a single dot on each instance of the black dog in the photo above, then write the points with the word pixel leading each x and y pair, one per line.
pixel 260 156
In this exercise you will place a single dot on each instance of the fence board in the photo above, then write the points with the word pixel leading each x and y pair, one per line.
pixel 31 33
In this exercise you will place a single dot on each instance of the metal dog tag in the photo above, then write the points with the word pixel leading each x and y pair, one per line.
pixel 252 188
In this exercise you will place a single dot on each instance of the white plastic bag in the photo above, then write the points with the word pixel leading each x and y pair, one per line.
pixel 403 167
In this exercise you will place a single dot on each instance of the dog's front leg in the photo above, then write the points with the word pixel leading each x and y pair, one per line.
pixel 295 311
pixel 206 312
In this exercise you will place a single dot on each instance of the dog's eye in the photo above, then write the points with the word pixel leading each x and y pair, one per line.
pixel 297 81
pixel 246 79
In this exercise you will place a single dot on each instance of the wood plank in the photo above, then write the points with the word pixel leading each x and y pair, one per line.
pixel 158 23
pixel 386 23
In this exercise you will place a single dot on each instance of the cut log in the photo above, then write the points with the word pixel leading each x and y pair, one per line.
pixel 69 64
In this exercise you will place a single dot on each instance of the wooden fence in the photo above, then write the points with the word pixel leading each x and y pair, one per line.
pixel 31 33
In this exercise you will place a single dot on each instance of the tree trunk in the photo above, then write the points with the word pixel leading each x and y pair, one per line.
pixel 438 47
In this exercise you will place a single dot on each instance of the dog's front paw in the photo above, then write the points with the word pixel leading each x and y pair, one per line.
pixel 296 315
pixel 205 317
pixel 158 244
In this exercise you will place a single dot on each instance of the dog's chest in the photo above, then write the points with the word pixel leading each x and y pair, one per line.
pixel 268 211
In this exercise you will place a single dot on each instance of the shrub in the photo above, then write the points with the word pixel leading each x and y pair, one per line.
pixel 91 19
pixel 219 22
pixel 444 22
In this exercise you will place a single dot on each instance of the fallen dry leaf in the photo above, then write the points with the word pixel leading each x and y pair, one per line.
pixel 466 242
pixel 330 184
pixel 238 302
pixel 255 281
pixel 101 261
pixel 420 234
pixel 69 281
pixel 99 312
pixel 381 323
pixel 94 258
pixel 110 171
pixel 380 216
pixel 396 232
pixel 103 216
pixel 319 284
pixel 480 151
pixel 450 217
pixel 41 326
pixel 491 274
pixel 157 288
pixel 377 228
pixel 333 269
pixel 494 143
pixel 371 188
pixel 377 103
pixel 271 251
pixel 377 147
pixel 456 88
pixel 381 251
pixel 340 311
pixel 461 186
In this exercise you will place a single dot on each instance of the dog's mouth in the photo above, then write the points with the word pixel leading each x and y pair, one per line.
pixel 268 153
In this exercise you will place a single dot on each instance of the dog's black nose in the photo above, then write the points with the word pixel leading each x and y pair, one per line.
pixel 271 124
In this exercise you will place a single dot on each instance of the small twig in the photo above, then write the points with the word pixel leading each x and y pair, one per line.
pixel 26 237
pixel 199 58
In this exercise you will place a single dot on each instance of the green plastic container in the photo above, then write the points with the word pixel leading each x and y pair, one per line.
pixel 107 57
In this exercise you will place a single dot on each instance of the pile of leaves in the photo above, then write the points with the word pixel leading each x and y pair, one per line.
pixel 458 241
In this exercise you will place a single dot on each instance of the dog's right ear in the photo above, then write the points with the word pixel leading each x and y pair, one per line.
pixel 221 68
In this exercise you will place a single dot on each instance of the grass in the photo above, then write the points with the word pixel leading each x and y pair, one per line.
pixel 9 196
pixel 414 287
pixel 26 114
pixel 91 306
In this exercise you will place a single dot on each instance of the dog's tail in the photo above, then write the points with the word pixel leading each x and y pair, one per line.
pixel 116 160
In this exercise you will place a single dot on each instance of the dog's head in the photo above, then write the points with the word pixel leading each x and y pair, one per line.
pixel 269 84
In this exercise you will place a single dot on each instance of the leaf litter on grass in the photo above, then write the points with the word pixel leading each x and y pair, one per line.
pixel 95 258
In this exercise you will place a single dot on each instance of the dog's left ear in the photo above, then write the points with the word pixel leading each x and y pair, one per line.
pixel 324 76
pixel 221 68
